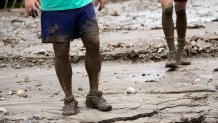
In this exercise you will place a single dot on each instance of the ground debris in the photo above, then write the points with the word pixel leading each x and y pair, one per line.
pixel 4 120
pixel 193 120
pixel 131 90
pixel 22 93
pixel 3 110
pixel 195 46
pixel 150 81
pixel 195 26
pixel 9 40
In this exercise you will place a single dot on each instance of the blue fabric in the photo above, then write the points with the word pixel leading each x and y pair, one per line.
pixel 66 25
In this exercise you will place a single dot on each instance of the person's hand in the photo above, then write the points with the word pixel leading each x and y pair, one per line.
pixel 30 6
pixel 102 4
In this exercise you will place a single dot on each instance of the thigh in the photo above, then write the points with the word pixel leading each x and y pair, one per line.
pixel 180 4
pixel 61 48
pixel 91 42
pixel 166 3
pixel 58 26
pixel 87 24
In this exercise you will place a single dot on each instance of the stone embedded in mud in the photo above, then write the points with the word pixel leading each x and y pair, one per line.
pixel 131 90
pixel 35 118
pixel 11 92
pixel 197 80
pixel 21 93
pixel 4 120
pixel 17 67
pixel 3 65
pixel 3 110
pixel 2 98
pixel 115 13
pixel 80 89
pixel 215 70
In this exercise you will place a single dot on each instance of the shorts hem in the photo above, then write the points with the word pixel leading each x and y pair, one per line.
pixel 63 39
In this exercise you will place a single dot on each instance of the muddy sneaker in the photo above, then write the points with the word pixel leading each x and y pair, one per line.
pixel 70 106
pixel 171 61
pixel 95 100
pixel 182 58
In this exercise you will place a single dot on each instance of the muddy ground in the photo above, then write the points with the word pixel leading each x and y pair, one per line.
pixel 133 50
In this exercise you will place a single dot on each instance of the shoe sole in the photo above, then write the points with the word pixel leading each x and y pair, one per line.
pixel 171 66
pixel 185 63
pixel 95 107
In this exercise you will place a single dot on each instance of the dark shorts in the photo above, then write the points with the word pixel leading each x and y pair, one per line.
pixel 66 25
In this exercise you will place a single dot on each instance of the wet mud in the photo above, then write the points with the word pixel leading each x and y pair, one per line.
pixel 134 80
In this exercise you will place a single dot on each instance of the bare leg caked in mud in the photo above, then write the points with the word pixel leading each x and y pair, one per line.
pixel 93 67
pixel 181 25
pixel 179 56
pixel 64 74
pixel 168 28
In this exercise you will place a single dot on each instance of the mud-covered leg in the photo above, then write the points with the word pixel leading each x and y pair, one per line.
pixel 181 25
pixel 92 60
pixel 64 73
pixel 168 28
pixel 93 67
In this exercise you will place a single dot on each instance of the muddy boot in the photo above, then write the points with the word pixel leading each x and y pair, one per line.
pixel 182 58
pixel 95 100
pixel 70 106
pixel 171 61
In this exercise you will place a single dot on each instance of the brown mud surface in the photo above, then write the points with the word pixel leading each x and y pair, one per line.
pixel 131 40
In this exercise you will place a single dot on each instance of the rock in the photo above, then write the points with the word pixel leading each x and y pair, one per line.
pixel 115 13
pixel 196 26
pixel 35 118
pixel 150 81
pixel 11 92
pixel 131 90
pixel 215 70
pixel 3 65
pixel 80 89
pixel 2 98
pixel 38 85
pixel 197 80
pixel 3 110
pixel 56 93
pixel 17 67
pixel 41 52
pixel 4 120
pixel 21 93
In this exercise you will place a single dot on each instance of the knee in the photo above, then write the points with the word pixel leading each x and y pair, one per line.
pixel 61 51
pixel 61 55
pixel 168 11
pixel 92 44
pixel 181 12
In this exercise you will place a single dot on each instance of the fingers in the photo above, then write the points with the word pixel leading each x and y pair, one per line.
pixel 29 11
pixel 96 3
pixel 37 4
pixel 30 6
pixel 102 5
